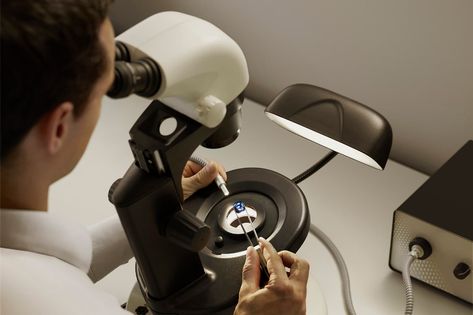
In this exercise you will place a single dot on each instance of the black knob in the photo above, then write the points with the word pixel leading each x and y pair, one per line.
pixel 187 231
pixel 219 242
pixel 461 271
pixel 141 310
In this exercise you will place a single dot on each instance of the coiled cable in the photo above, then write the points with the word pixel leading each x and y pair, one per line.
pixel 406 277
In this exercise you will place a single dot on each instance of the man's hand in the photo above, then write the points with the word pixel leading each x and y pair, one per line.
pixel 194 177
pixel 284 293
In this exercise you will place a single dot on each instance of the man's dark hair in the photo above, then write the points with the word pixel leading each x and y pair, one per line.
pixel 50 53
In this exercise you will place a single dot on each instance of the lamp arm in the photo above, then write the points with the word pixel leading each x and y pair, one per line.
pixel 314 168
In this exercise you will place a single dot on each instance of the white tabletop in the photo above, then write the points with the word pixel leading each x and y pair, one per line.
pixel 350 202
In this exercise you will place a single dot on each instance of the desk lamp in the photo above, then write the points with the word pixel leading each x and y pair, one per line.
pixel 343 126
pixel 334 121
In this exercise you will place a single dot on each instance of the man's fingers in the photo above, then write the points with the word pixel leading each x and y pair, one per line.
pixel 206 175
pixel 221 170
pixel 299 267
pixel 250 274
pixel 274 262
pixel 210 171
pixel 202 178
pixel 195 177
pixel 191 169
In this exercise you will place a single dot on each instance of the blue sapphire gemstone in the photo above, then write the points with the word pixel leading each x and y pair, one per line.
pixel 239 206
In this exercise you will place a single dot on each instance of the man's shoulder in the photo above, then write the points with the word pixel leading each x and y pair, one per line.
pixel 33 283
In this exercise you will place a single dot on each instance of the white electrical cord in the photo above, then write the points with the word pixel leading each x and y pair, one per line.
pixel 414 254
pixel 341 266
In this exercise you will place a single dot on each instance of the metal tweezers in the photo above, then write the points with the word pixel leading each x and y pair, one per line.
pixel 239 207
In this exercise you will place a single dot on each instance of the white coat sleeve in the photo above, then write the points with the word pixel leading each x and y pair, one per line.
pixel 110 247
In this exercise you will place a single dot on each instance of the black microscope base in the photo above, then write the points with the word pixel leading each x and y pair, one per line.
pixel 280 212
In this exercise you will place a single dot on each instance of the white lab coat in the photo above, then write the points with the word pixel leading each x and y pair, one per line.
pixel 48 265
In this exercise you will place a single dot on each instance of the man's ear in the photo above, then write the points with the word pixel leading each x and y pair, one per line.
pixel 56 125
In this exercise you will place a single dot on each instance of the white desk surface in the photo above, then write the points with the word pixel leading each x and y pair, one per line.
pixel 350 202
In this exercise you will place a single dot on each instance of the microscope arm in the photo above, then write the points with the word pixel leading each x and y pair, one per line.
pixel 200 73
pixel 148 199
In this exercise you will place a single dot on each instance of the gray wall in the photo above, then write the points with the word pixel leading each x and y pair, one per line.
pixel 411 60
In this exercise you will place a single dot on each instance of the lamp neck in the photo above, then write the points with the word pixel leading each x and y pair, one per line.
pixel 314 168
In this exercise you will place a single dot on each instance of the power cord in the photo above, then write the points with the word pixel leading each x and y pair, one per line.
pixel 342 267
pixel 414 254
pixel 419 248
pixel 332 248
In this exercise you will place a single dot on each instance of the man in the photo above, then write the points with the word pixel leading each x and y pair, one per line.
pixel 57 64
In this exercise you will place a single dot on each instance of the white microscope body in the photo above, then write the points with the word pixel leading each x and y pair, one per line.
pixel 202 68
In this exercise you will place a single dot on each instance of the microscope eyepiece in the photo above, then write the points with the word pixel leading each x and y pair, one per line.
pixel 141 77
pixel 121 52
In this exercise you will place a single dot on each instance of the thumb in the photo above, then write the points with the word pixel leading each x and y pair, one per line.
pixel 204 177
pixel 250 273
pixel 199 180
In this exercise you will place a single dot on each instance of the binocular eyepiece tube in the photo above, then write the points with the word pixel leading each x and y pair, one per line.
pixel 141 76
pixel 136 73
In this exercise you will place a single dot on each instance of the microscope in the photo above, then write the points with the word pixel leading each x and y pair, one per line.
pixel 189 255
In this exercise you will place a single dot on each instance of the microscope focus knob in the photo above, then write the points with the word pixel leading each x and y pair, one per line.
pixel 187 231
